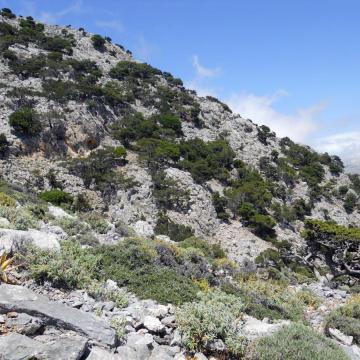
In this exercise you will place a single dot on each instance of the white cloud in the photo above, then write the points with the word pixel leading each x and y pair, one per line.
pixel 53 17
pixel 346 145
pixel 202 71
pixel 260 109
pixel 202 74
pixel 114 25
pixel 143 49
pixel 200 88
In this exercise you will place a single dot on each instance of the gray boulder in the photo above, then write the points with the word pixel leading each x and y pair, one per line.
pixel 23 300
pixel 97 353
pixel 11 240
pixel 20 347
pixel 24 324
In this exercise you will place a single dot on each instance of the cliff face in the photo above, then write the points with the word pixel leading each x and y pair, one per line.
pixel 87 94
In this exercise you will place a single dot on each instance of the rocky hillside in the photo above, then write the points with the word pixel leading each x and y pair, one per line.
pixel 112 170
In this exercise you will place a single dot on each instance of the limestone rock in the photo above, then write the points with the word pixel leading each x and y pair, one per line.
pixel 20 299
pixel 339 336
pixel 153 324
pixel 15 239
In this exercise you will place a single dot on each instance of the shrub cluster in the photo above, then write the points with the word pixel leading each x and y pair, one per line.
pixel 338 244
pixel 176 232
pixel 212 317
pixel 57 197
pixel 98 42
pixel 26 121
pixel 33 32
pixel 296 342
pixel 98 168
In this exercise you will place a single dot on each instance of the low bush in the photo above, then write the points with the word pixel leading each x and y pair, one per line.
pixel 131 70
pixel 168 194
pixel 338 244
pixel 213 316
pixel 98 42
pixel 6 200
pixel 296 342
pixel 72 226
pixel 72 267
pixel 19 218
pixel 57 197
pixel 206 161
pixel 25 121
pixel 346 319
pixel 274 299
pixel 6 12
pixel 176 232
pixel 97 222
pixel 350 202
pixel 4 144
pixel 98 168
pixel 102 292
pixel 132 263
pixel 212 251
pixel 264 134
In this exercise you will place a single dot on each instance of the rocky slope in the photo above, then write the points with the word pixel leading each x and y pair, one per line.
pixel 81 120
pixel 128 152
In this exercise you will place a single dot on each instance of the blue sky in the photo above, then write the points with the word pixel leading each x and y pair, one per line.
pixel 292 65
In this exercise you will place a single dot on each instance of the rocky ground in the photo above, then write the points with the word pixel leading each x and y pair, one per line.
pixel 47 323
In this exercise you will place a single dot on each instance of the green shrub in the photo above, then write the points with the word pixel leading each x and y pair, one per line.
pixel 176 232
pixel 346 319
pixel 213 251
pixel 350 202
pixel 57 197
pixel 213 316
pixel 4 144
pixel 25 121
pixel 220 203
pixel 115 94
pixel 72 226
pixel 133 70
pixel 98 42
pixel 264 133
pixel 20 218
pixel 5 12
pixel 168 194
pixel 31 67
pixel 132 262
pixel 154 150
pixel 338 244
pixel 297 342
pixel 97 222
pixel 207 160
pixel 98 168
pixel 72 267
pixel 58 44
pixel 170 122
pixel 6 200
pixel 101 292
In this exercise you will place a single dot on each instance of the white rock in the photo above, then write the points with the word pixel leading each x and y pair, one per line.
pixel 253 328
pixel 4 223
pixel 339 336
pixel 153 324
pixel 15 239
pixel 134 339
pixel 142 228
pixel 101 354
pixel 57 212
